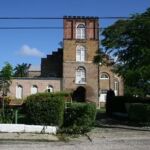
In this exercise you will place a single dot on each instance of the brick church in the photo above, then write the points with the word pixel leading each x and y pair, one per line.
pixel 71 68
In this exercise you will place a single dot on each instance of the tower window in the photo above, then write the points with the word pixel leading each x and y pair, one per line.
pixel 80 31
pixel 80 75
pixel 80 53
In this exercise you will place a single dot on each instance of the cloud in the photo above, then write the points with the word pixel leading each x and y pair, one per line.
pixel 28 51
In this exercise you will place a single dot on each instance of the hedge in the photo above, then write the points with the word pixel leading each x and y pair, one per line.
pixel 118 103
pixel 79 117
pixel 45 109
pixel 139 112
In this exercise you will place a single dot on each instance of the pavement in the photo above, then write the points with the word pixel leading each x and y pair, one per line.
pixel 28 137
pixel 109 128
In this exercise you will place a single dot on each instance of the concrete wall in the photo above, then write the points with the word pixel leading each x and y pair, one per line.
pixel 21 128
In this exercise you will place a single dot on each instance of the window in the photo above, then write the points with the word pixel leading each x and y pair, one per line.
pixel 80 31
pixel 50 89
pixel 104 76
pixel 80 53
pixel 19 92
pixel 34 89
pixel 116 88
pixel 80 75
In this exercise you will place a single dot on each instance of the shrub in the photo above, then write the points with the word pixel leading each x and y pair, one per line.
pixel 139 112
pixel 79 117
pixel 45 109
pixel 6 114
pixel 118 103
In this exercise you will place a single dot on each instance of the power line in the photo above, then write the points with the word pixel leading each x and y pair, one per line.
pixel 21 28
pixel 54 27
pixel 57 18
pixel 44 27
pixel 71 17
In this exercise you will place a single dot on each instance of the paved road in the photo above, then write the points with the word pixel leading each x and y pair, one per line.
pixel 105 139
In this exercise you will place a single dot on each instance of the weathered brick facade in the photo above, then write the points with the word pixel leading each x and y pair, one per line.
pixel 70 65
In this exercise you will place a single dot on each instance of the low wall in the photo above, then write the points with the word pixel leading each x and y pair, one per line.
pixel 21 128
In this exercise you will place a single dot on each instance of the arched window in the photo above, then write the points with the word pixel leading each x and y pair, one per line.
pixel 50 89
pixel 19 92
pixel 80 53
pixel 104 76
pixel 34 89
pixel 80 75
pixel 80 31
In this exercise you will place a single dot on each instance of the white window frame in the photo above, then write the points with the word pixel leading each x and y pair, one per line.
pixel 50 89
pixel 81 75
pixel 104 76
pixel 80 53
pixel 19 91
pixel 80 31
pixel 116 88
pixel 34 89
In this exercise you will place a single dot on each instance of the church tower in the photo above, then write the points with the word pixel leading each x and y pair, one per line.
pixel 81 42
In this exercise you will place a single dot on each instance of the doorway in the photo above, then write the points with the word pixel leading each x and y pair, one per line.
pixel 79 94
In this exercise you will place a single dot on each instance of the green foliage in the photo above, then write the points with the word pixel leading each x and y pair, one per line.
pixel 5 78
pixel 7 71
pixel 79 117
pixel 45 109
pixel 6 114
pixel 139 112
pixel 100 58
pixel 129 41
pixel 21 70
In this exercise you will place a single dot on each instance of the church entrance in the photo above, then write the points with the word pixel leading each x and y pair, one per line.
pixel 79 94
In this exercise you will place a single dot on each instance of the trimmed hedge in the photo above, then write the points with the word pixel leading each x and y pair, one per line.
pixel 118 103
pixel 139 112
pixel 45 109
pixel 79 117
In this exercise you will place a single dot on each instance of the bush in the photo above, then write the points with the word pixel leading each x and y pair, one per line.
pixel 45 109
pixel 79 117
pixel 6 114
pixel 118 103
pixel 139 112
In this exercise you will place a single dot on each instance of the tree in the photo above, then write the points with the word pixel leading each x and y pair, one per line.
pixel 5 78
pixel 21 70
pixel 129 40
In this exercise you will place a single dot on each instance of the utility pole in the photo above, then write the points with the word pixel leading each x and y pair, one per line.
pixel 99 64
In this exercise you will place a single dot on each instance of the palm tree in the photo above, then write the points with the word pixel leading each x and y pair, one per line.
pixel 21 70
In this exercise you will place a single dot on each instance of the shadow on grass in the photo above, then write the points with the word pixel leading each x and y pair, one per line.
pixel 117 120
